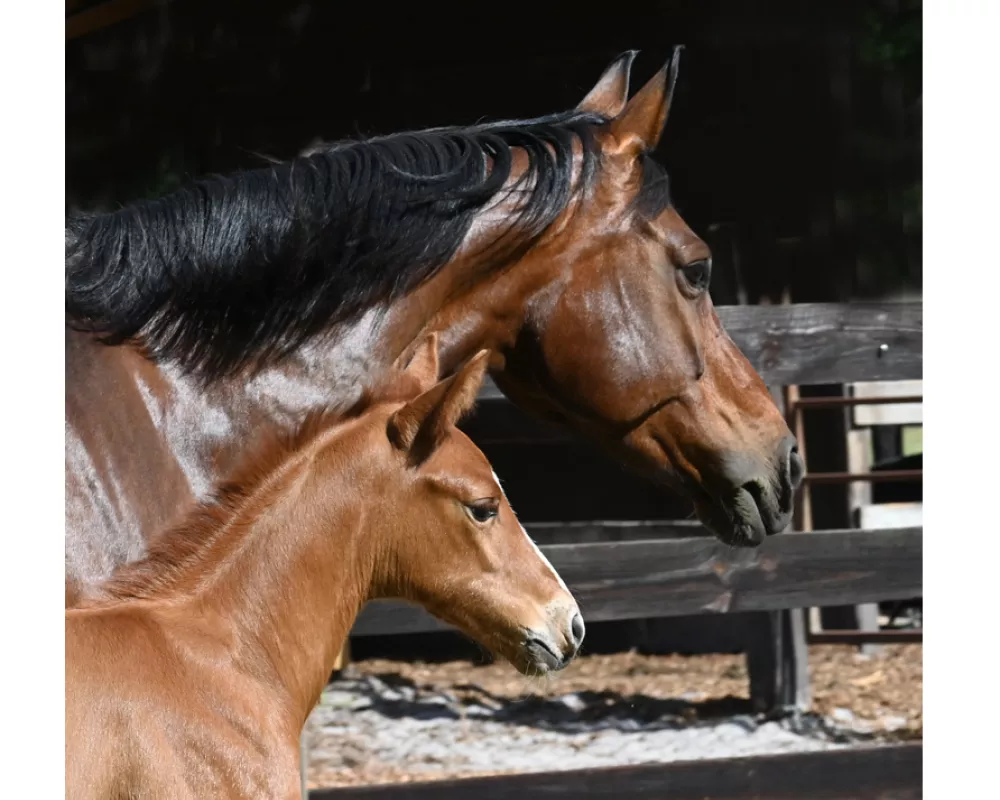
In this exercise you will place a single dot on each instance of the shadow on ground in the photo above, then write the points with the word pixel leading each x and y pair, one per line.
pixel 395 697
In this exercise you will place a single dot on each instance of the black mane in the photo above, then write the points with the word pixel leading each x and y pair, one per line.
pixel 237 271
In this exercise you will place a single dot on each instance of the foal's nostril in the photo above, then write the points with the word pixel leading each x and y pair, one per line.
pixel 578 630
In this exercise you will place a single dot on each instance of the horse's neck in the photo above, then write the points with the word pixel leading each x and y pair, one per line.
pixel 289 576
pixel 208 427
pixel 212 425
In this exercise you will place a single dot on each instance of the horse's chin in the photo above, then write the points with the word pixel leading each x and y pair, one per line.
pixel 534 667
pixel 734 520
pixel 531 657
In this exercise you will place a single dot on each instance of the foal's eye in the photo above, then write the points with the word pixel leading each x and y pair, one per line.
pixel 483 511
pixel 698 274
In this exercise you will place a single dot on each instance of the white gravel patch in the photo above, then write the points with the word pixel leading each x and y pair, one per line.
pixel 361 724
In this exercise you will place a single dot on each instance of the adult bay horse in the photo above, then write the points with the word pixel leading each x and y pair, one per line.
pixel 191 673
pixel 239 303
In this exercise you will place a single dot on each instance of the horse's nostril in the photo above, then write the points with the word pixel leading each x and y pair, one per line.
pixel 755 490
pixel 796 467
pixel 578 629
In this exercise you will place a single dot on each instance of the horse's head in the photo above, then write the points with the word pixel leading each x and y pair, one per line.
pixel 620 339
pixel 454 544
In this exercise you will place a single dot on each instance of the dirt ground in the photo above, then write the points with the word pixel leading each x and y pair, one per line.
pixel 881 695
pixel 871 688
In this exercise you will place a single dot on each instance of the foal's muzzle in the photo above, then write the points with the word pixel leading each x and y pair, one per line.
pixel 554 646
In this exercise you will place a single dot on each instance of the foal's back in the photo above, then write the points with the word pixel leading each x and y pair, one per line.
pixel 143 686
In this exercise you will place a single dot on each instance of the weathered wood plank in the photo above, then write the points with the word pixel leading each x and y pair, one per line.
pixel 810 343
pixel 661 578
pixel 864 773
pixel 890 636
pixel 889 413
pixel 590 531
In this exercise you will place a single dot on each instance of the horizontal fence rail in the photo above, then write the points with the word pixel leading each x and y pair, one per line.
pixel 674 577
pixel 889 636
pixel 869 773
pixel 810 343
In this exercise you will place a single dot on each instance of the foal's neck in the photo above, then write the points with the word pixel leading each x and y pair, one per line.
pixel 284 571
pixel 306 571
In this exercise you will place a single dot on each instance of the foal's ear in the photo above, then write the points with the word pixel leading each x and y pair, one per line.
pixel 611 90
pixel 424 365
pixel 638 128
pixel 421 425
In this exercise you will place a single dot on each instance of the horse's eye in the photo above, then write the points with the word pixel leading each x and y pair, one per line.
pixel 698 274
pixel 483 511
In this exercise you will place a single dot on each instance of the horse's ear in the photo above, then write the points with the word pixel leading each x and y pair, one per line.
pixel 638 128
pixel 421 425
pixel 611 90
pixel 423 365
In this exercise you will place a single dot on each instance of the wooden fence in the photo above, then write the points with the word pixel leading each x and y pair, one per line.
pixel 660 569
pixel 700 575
pixel 869 773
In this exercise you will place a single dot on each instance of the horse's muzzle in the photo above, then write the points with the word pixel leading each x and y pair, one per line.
pixel 757 496
pixel 552 648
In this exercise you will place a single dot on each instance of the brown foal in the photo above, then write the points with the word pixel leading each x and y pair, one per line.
pixel 191 672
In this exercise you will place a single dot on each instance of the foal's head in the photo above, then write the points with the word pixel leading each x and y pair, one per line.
pixel 448 538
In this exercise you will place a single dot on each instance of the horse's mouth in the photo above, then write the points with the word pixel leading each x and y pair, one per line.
pixel 734 520
pixel 527 652
pixel 533 656
pixel 734 516
pixel 543 657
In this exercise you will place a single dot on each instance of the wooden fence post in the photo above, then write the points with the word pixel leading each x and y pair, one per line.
pixel 778 661
pixel 776 650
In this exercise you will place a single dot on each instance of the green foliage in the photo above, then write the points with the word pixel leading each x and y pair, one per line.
pixel 885 193
pixel 893 41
